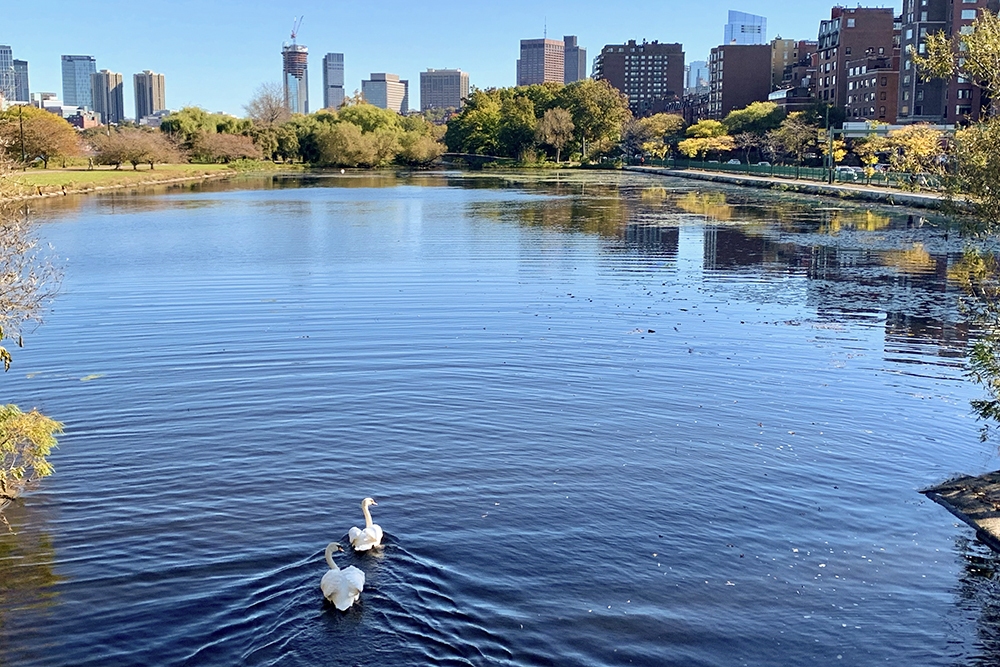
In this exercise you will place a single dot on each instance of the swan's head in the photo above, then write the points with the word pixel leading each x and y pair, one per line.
pixel 368 501
pixel 335 546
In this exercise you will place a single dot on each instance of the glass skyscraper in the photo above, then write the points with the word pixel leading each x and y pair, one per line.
pixel 745 28
pixel 76 71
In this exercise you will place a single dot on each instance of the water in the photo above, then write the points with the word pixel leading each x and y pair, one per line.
pixel 609 420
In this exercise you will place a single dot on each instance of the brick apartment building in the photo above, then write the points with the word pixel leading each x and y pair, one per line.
pixel 738 76
pixel 850 34
pixel 872 88
pixel 651 74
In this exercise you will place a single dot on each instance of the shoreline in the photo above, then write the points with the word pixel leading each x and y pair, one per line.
pixel 64 191
pixel 836 191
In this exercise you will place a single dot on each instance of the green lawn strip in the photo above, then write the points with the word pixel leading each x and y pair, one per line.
pixel 51 180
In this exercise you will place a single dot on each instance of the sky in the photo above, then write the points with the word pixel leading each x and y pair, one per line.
pixel 215 53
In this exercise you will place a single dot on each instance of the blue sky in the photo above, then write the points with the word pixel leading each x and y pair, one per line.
pixel 215 53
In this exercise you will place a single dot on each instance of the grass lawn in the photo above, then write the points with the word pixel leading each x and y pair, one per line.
pixel 80 178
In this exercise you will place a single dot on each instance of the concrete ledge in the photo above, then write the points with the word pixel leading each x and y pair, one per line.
pixel 853 192
pixel 974 500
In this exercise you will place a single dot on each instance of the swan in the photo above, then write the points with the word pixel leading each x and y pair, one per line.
pixel 341 587
pixel 371 535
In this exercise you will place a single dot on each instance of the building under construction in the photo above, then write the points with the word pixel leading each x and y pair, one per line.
pixel 296 78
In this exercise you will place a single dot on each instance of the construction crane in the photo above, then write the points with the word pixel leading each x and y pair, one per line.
pixel 296 24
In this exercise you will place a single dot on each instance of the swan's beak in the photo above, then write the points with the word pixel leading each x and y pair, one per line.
pixel 374 503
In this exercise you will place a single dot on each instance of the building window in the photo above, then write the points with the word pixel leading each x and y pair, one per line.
pixel 850 23
pixel 968 14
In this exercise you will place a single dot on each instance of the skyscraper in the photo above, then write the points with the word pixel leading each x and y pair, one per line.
pixel 8 78
pixel 745 28
pixel 541 60
pixel 443 89
pixel 333 80
pixel 76 71
pixel 386 91
pixel 575 58
pixel 108 93
pixel 697 75
pixel 296 77
pixel 150 94
pixel 22 91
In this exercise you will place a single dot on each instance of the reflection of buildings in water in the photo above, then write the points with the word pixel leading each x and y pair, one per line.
pixel 907 335
pixel 728 248
pixel 662 240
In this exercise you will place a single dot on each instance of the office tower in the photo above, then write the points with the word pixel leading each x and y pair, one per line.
pixel 108 93
pixel 150 94
pixel 936 100
pixel 575 59
pixel 745 28
pixel 76 71
pixel 739 74
pixel 541 60
pixel 443 89
pixel 333 80
pixel 848 35
pixel 8 78
pixel 649 73
pixel 22 92
pixel 697 75
pixel 386 91
pixel 784 54
pixel 296 77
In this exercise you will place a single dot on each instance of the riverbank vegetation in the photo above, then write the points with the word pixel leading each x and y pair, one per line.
pixel 28 281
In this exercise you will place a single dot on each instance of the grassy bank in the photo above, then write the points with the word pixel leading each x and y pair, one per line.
pixel 74 179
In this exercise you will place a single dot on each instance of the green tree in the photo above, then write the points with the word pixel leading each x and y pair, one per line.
pixel 796 135
pixel 40 135
pixel 344 145
pixel 759 118
pixel 418 150
pixel 476 129
pixel 973 54
pixel 599 111
pixel 555 129
pixel 517 126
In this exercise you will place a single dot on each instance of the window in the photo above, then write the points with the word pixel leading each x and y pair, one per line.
pixel 964 94
pixel 881 112
pixel 882 96
pixel 968 14
pixel 885 80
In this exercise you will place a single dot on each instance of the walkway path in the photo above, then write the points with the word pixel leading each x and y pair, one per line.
pixel 840 190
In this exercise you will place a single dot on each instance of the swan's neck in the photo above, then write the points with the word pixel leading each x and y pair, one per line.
pixel 329 556
pixel 368 516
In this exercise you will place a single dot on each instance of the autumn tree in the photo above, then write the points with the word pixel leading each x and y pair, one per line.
pixel 759 118
pixel 917 150
pixel 795 135
pixel 267 106
pixel 134 146
pixel 212 148
pixel 555 129
pixel 37 134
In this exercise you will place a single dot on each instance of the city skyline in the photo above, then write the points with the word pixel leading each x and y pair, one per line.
pixel 217 61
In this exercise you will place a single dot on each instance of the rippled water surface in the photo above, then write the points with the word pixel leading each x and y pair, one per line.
pixel 608 419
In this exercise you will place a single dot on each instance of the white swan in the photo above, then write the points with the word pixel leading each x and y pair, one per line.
pixel 341 587
pixel 371 535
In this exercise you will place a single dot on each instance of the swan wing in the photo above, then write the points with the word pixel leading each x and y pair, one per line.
pixel 365 539
pixel 343 587
pixel 353 534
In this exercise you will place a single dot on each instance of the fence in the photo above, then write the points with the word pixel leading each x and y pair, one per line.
pixel 879 179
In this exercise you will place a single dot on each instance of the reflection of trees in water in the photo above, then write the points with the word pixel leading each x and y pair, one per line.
pixel 27 575
pixel 978 597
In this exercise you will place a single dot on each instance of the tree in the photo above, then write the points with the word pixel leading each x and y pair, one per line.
pixel 555 129
pixel 517 126
pixel 267 106
pixel 747 142
pixel 795 135
pixel 344 145
pixel 759 118
pixel 706 128
pixel 917 150
pixel 38 134
pixel 702 146
pixel 133 145
pixel 225 148
pixel 599 110
pixel 26 439
pixel 476 129
pixel 869 149
pixel 972 54
pixel 418 149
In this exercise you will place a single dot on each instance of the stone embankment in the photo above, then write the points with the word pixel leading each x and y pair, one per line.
pixel 840 190
pixel 974 500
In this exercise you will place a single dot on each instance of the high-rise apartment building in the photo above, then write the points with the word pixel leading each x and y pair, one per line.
pixel 22 91
pixel 575 59
pixel 76 71
pixel 739 75
pixel 784 54
pixel 295 61
pixel 8 78
pixel 541 60
pixel 745 29
pixel 937 100
pixel 850 34
pixel 108 93
pixel 150 94
pixel 872 88
pixel 443 89
pixel 333 80
pixel 387 91
pixel 651 74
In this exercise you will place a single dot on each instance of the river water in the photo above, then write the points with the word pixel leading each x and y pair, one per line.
pixel 609 419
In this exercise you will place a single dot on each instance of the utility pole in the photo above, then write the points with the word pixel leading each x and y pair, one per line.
pixel 20 117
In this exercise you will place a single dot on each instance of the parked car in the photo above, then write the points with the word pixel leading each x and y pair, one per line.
pixel 734 161
pixel 763 164
pixel 848 173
